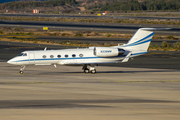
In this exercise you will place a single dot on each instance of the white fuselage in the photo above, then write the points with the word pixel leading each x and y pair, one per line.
pixel 63 57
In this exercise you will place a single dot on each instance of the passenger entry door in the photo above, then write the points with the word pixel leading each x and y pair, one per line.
pixel 31 58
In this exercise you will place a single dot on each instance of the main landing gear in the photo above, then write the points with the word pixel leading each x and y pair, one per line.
pixel 21 70
pixel 90 70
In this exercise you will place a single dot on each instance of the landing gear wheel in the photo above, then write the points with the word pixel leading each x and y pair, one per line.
pixel 86 71
pixel 93 71
pixel 21 72
pixel 90 70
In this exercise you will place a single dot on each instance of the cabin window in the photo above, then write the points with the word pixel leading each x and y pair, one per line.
pixel 44 56
pixel 94 50
pixel 66 56
pixel 51 56
pixel 80 55
pixel 58 56
pixel 73 55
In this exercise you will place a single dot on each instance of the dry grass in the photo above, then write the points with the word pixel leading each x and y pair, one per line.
pixel 176 46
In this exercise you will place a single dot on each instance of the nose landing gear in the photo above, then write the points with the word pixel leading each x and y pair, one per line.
pixel 21 70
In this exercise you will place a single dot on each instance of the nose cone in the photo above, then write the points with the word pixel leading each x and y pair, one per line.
pixel 11 62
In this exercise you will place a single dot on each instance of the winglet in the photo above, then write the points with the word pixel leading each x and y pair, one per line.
pixel 127 57
pixel 45 48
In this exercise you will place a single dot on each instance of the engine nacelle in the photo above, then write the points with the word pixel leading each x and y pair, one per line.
pixel 107 52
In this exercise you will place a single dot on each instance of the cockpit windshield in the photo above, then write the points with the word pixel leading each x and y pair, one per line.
pixel 23 54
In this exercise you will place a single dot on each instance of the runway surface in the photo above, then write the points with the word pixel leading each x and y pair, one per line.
pixel 45 92
pixel 88 16
pixel 82 26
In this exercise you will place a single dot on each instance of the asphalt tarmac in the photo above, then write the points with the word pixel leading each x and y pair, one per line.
pixel 88 16
pixel 65 92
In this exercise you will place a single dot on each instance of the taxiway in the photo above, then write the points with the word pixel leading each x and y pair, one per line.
pixel 45 92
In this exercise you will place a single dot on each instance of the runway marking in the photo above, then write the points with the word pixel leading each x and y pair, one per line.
pixel 31 83
pixel 158 81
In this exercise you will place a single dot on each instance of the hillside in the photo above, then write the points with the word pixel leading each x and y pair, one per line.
pixel 146 5
pixel 134 5
pixel 43 6
pixel 76 6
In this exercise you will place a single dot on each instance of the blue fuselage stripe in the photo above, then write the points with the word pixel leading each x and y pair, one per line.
pixel 68 58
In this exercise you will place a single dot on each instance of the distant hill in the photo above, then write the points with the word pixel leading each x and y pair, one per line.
pixel 91 6
pixel 44 6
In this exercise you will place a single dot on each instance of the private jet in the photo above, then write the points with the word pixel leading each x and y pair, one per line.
pixel 90 57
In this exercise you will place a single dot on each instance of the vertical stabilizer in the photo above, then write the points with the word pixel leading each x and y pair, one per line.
pixel 140 40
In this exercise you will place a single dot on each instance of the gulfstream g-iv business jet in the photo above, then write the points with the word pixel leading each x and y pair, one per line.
pixel 88 57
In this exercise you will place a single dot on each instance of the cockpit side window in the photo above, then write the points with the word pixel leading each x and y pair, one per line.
pixel 20 54
pixel 23 54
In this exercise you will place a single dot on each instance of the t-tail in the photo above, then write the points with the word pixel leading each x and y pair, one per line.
pixel 141 39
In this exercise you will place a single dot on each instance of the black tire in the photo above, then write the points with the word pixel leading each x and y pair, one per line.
pixel 86 71
pixel 21 72
pixel 93 71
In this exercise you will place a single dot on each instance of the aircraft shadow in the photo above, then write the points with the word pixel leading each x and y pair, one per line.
pixel 71 103
pixel 103 72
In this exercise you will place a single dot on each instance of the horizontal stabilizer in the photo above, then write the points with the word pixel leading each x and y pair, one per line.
pixel 127 57
pixel 155 29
